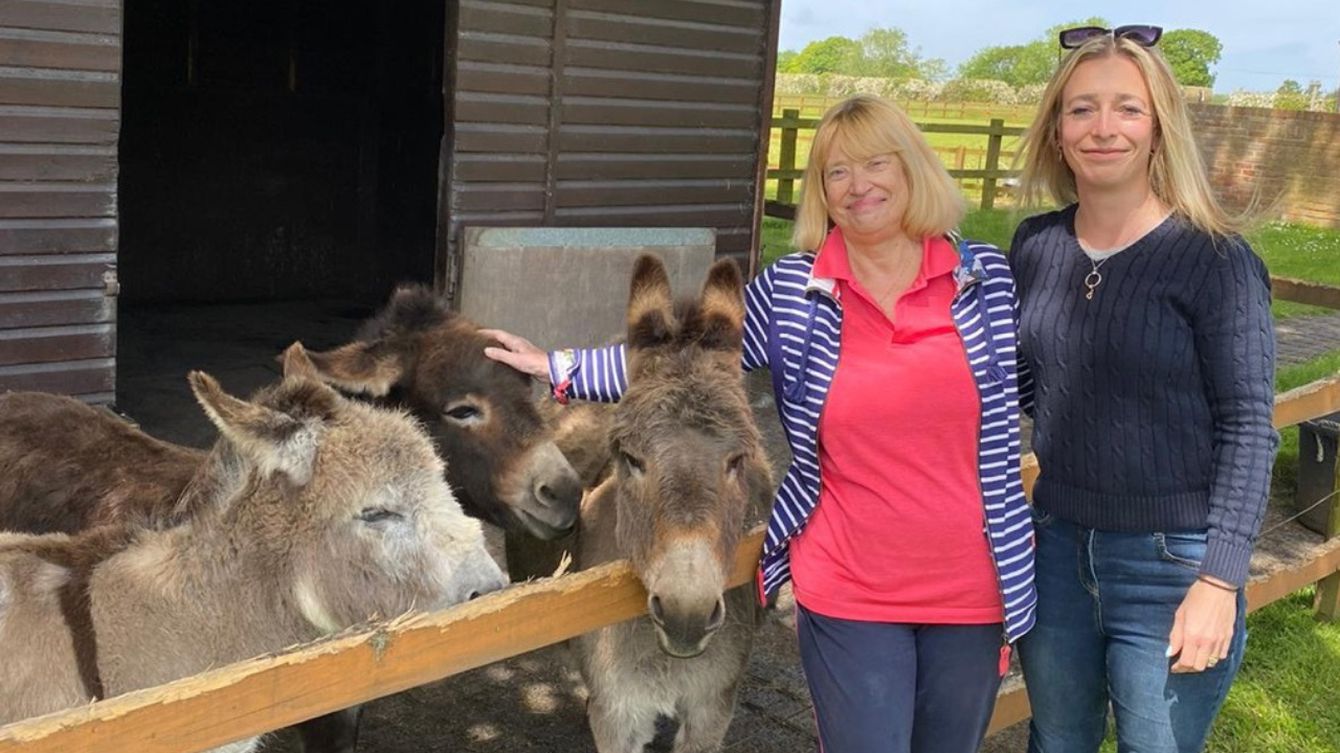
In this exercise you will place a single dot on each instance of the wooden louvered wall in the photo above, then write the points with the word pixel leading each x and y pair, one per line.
pixel 60 66
pixel 607 113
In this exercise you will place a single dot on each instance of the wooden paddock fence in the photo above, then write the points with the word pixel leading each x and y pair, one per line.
pixel 816 104
pixel 263 694
pixel 990 173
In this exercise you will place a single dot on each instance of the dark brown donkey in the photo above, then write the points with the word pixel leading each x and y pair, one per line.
pixel 65 467
pixel 688 465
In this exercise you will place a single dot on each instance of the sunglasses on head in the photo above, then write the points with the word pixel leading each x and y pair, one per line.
pixel 1142 34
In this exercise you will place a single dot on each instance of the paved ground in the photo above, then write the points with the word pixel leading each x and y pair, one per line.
pixel 1303 338
pixel 534 702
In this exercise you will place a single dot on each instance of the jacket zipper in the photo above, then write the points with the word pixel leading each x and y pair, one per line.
pixel 1004 661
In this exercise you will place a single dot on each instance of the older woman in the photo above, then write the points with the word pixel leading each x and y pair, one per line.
pixel 901 521
pixel 1145 324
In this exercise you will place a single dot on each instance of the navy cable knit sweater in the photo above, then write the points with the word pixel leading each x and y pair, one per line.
pixel 1152 403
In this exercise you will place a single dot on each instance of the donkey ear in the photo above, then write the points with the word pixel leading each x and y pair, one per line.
pixel 368 368
pixel 650 306
pixel 297 365
pixel 722 307
pixel 273 440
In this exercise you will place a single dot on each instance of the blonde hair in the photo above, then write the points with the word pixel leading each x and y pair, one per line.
pixel 862 127
pixel 1176 173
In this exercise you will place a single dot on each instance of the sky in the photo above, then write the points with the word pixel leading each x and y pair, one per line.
pixel 1265 41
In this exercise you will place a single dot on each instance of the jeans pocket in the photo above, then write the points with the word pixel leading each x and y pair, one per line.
pixel 1186 548
pixel 1041 518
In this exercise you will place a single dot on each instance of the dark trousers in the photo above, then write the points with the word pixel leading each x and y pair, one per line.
pixel 881 687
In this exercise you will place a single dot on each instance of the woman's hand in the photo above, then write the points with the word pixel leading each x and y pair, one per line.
pixel 519 353
pixel 1202 630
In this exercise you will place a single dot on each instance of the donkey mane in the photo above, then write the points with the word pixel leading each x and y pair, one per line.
pixel 412 308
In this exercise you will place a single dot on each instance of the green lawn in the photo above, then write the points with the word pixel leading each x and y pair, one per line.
pixel 1284 699
pixel 1289 250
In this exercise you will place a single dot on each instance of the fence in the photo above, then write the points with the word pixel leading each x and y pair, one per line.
pixel 814 105
pixel 252 697
pixel 787 171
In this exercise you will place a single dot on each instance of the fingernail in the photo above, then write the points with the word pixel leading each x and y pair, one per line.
pixel 1169 653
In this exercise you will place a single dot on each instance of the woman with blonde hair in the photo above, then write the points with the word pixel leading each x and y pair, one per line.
pixel 901 522
pixel 1147 364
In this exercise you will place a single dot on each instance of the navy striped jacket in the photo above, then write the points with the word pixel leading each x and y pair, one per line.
pixel 793 326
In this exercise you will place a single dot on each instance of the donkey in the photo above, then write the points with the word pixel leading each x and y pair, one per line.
pixel 688 464
pixel 501 458
pixel 67 467
pixel 315 513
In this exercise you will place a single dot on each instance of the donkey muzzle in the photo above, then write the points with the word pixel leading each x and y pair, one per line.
pixel 550 499
pixel 684 629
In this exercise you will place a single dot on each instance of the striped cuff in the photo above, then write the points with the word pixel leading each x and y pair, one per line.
pixel 562 364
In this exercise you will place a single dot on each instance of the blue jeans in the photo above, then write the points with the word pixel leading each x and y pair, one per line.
pixel 883 687
pixel 1106 603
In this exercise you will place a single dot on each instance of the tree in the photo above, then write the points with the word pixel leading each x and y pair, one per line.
pixel 885 53
pixel 1290 96
pixel 1021 64
pixel 880 52
pixel 1191 53
pixel 831 55
pixel 1017 65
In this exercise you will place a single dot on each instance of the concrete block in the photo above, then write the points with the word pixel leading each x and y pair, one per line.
pixel 568 287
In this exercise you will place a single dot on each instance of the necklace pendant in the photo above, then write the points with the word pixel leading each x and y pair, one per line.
pixel 1091 281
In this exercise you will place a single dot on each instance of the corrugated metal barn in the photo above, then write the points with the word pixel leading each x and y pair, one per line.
pixel 206 152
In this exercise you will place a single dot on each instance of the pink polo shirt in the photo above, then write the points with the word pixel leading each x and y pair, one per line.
pixel 898 534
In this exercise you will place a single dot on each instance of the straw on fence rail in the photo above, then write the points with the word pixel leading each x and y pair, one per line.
pixel 249 698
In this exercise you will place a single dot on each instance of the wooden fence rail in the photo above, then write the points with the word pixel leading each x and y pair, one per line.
pixel 252 697
pixel 787 172
pixel 817 104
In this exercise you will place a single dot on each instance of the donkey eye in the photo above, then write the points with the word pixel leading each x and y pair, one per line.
pixel 633 463
pixel 463 412
pixel 378 515
pixel 735 465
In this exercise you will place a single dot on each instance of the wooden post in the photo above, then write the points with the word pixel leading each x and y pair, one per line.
pixel 960 154
pixel 1328 588
pixel 787 159
pixel 992 162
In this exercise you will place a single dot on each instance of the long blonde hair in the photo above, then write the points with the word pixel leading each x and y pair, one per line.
pixel 1177 175
pixel 864 126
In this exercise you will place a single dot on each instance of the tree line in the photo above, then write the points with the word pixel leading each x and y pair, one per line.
pixel 888 53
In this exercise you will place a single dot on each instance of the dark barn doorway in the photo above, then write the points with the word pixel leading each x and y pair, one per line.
pixel 278 175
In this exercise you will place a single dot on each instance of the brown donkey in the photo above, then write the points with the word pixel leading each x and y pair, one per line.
pixel 688 464
pixel 314 513
pixel 65 467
